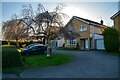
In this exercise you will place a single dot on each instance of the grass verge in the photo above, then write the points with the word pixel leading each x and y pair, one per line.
pixel 13 70
pixel 43 61
pixel 115 53
pixel 40 61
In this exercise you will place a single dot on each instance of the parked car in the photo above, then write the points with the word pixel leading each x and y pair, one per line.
pixel 34 49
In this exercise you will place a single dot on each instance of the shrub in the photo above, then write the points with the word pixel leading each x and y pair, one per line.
pixel 10 57
pixel 4 42
pixel 12 42
pixel 21 44
pixel 111 39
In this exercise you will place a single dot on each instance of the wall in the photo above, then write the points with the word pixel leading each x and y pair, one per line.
pixel 117 22
pixel 84 34
pixel 61 42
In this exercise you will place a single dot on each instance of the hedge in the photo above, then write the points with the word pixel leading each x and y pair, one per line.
pixel 11 57
pixel 111 40
pixel 20 43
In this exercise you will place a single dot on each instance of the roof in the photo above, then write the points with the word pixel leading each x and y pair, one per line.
pixel 69 34
pixel 53 29
pixel 43 15
pixel 74 34
pixel 86 20
pixel 115 15
pixel 90 22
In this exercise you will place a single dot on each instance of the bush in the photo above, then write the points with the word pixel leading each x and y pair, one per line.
pixel 21 44
pixel 12 42
pixel 10 57
pixel 111 39
pixel 4 42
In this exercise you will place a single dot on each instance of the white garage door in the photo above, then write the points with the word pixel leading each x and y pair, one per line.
pixel 100 44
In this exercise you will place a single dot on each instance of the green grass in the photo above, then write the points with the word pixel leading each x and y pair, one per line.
pixel 32 60
pixel 68 49
pixel 39 61
pixel 10 57
pixel 13 70
pixel 115 53
pixel 42 61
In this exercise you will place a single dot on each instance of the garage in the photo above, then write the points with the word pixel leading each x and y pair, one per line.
pixel 99 42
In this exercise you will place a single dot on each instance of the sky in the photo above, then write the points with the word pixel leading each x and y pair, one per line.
pixel 60 0
pixel 90 10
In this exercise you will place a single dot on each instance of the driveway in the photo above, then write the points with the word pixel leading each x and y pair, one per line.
pixel 85 64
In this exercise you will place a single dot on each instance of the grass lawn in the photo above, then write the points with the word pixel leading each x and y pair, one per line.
pixel 115 53
pixel 42 61
pixel 68 49
pixel 32 61
pixel 13 70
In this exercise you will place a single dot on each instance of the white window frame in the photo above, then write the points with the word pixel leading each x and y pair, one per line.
pixel 83 27
pixel 71 42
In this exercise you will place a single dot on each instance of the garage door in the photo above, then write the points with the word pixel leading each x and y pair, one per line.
pixel 100 44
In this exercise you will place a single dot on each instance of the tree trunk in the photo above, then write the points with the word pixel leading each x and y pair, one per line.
pixel 17 44
pixel 44 40
pixel 48 48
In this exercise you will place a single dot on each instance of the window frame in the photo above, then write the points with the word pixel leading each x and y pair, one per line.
pixel 83 27
pixel 71 42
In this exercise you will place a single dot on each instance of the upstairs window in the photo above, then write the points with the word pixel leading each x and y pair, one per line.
pixel 83 27
pixel 71 30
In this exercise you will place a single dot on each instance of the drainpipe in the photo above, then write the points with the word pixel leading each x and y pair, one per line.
pixel 93 38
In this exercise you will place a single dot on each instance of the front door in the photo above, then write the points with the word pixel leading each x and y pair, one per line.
pixel 82 44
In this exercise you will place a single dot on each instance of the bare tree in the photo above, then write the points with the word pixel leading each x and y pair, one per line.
pixel 28 15
pixel 44 21
pixel 51 19
pixel 14 30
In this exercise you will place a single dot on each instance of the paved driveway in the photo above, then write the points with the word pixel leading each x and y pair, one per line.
pixel 85 64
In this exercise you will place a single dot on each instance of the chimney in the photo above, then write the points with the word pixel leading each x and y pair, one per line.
pixel 101 22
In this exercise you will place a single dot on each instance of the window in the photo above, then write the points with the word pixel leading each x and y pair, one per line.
pixel 71 30
pixel 71 42
pixel 83 27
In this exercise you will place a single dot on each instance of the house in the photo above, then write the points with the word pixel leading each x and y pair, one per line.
pixel 83 32
pixel 54 41
pixel 116 19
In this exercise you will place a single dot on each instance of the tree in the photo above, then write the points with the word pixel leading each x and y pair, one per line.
pixel 50 19
pixel 14 30
pixel 40 22
pixel 111 39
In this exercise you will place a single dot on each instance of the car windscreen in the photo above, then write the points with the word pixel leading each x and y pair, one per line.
pixel 29 46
